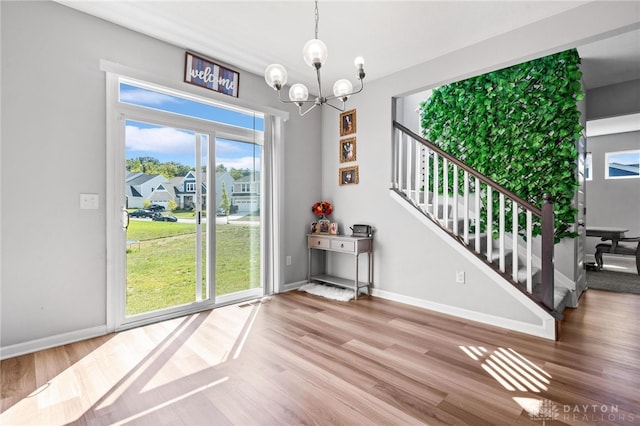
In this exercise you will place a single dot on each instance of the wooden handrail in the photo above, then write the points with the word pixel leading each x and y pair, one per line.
pixel 535 210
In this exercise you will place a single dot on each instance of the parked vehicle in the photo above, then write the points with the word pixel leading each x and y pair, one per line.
pixel 232 209
pixel 141 213
pixel 162 218
pixel 156 208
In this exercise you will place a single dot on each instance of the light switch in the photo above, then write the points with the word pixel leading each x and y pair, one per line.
pixel 89 201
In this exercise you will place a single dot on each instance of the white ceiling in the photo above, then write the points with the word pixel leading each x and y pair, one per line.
pixel 391 35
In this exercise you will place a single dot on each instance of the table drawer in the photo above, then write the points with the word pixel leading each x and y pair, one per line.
pixel 319 242
pixel 343 245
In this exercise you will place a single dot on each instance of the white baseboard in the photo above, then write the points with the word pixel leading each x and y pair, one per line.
pixel 545 330
pixel 293 286
pixel 51 341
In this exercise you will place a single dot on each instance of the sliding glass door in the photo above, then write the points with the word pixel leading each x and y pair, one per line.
pixel 189 205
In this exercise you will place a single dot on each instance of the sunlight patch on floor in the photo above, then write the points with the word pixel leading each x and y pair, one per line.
pixel 509 368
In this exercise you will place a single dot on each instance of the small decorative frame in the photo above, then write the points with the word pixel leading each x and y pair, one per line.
pixel 348 175
pixel 348 150
pixel 333 228
pixel 323 226
pixel 348 122
pixel 314 228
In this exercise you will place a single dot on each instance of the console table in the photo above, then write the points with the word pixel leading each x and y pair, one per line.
pixel 353 246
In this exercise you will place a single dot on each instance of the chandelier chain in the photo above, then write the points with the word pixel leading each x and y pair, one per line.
pixel 317 19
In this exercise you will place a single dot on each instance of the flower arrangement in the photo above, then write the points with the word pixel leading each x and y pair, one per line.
pixel 322 208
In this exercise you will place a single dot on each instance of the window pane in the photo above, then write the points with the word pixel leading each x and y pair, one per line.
pixel 587 166
pixel 140 96
pixel 623 164
pixel 238 235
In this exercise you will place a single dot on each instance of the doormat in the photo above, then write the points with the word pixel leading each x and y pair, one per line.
pixel 621 282
pixel 330 292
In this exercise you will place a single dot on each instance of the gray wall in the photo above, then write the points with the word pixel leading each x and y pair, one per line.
pixel 613 100
pixel 612 202
pixel 53 148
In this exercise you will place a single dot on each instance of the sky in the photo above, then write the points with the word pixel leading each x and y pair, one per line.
pixel 170 144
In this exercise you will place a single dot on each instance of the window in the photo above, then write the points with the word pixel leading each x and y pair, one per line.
pixel 588 161
pixel 191 187
pixel 622 164
pixel 245 187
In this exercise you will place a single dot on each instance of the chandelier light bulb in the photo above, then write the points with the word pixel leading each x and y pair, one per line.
pixel 315 53
pixel 342 88
pixel 298 93
pixel 276 76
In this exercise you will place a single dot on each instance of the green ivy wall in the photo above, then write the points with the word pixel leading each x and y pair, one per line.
pixel 519 127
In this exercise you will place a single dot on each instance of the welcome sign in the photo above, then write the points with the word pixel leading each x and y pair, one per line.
pixel 204 73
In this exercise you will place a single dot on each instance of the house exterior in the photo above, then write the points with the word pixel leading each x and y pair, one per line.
pixel 164 193
pixel 184 190
pixel 139 187
pixel 246 193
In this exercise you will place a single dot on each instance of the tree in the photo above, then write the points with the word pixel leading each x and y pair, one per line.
pixel 172 169
pixel 225 204
pixel 221 168
pixel 151 165
pixel 146 204
pixel 172 205
pixel 239 173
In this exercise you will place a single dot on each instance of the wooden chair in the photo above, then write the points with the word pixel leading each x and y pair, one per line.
pixel 623 249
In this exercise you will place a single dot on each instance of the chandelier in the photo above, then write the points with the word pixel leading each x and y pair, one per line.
pixel 315 54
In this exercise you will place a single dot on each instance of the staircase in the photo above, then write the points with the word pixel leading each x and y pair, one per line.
pixel 492 223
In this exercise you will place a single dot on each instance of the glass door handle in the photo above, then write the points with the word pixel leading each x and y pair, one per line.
pixel 125 219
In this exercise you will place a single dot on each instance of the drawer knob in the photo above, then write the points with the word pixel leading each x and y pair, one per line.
pixel 318 242
pixel 341 245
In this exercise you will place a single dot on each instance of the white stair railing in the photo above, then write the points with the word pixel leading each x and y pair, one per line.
pixel 441 186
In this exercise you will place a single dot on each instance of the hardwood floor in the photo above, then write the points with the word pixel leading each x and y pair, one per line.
pixel 302 359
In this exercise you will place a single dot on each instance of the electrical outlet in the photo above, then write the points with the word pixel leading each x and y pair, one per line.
pixel 460 277
pixel 288 260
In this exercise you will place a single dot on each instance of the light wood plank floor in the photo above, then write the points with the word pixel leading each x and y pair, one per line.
pixel 301 359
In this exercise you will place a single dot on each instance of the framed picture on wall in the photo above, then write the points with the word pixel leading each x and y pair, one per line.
pixel 348 175
pixel 348 150
pixel 348 122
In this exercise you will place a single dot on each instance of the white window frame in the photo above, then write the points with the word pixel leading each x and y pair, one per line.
pixel 606 164
pixel 588 165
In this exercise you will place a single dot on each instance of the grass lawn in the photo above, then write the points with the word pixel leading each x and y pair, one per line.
pixel 162 272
